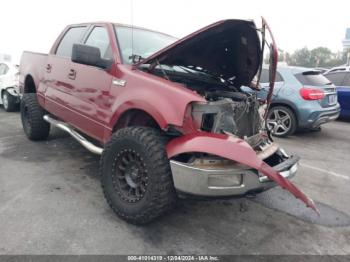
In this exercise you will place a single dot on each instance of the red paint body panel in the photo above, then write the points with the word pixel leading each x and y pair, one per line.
pixel 234 149
pixel 165 101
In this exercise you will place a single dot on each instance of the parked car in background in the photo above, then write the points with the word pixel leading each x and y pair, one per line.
pixel 321 70
pixel 343 68
pixel 302 99
pixel 9 92
pixel 341 79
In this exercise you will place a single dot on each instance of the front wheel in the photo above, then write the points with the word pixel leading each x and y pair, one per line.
pixel 9 102
pixel 136 175
pixel 281 121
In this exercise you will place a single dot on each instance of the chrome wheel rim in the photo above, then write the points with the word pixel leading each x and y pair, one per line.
pixel 279 122
pixel 5 101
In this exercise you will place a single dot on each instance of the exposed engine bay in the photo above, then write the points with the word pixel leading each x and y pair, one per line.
pixel 229 109
pixel 240 115
pixel 229 112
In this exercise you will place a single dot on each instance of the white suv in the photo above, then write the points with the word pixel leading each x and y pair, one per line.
pixel 9 91
pixel 343 68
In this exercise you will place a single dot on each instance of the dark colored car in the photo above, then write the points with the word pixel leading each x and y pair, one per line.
pixel 341 79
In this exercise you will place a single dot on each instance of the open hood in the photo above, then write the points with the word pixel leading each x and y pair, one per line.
pixel 229 49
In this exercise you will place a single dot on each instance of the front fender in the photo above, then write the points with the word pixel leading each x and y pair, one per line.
pixel 140 105
pixel 234 149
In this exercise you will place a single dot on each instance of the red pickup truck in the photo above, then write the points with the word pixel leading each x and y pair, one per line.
pixel 166 115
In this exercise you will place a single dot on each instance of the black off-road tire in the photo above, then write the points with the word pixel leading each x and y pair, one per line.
pixel 34 126
pixel 146 147
pixel 11 104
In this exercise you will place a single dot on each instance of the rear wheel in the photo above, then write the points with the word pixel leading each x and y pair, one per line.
pixel 9 102
pixel 136 176
pixel 34 126
pixel 281 121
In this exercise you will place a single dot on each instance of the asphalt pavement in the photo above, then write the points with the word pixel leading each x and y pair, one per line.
pixel 51 203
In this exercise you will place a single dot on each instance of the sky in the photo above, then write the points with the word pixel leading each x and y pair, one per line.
pixel 34 24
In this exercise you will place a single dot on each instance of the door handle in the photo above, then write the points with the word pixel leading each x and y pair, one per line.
pixel 48 68
pixel 72 74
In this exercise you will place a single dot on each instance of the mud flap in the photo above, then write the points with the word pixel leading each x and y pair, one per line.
pixel 237 150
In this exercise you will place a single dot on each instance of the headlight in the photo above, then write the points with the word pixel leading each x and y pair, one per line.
pixel 216 116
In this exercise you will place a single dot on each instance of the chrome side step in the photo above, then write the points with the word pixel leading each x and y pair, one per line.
pixel 82 140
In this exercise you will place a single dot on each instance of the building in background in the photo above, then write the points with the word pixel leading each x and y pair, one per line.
pixel 5 57
pixel 346 40
pixel 346 45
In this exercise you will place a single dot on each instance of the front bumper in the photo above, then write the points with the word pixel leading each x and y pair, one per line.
pixel 226 182
pixel 237 150
pixel 325 118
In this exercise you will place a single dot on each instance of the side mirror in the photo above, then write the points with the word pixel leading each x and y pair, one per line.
pixel 89 55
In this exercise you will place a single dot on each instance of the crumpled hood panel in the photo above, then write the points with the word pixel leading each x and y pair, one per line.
pixel 230 49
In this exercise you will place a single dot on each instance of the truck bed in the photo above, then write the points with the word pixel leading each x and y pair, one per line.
pixel 32 64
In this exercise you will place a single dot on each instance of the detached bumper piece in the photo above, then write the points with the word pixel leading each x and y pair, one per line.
pixel 247 171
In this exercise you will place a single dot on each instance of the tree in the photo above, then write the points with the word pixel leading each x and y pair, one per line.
pixel 320 56
pixel 301 57
pixel 317 57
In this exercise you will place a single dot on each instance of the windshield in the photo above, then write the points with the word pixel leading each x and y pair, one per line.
pixel 185 74
pixel 144 44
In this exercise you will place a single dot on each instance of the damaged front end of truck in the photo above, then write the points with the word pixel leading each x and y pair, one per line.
pixel 223 147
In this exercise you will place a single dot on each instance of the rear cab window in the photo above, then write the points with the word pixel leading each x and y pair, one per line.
pixel 312 78
pixel 74 35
